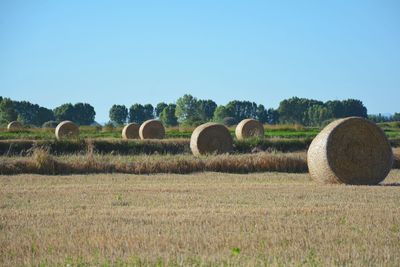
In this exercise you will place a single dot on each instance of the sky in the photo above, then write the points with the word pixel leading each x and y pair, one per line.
pixel 126 52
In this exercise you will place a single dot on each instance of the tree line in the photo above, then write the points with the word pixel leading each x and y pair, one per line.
pixel 33 114
pixel 191 111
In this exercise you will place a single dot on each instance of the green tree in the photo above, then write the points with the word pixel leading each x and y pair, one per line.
pixel 354 107
pixel 187 110
pixel 168 117
pixel 80 113
pixel 159 108
pixel 396 117
pixel 118 114
pixel 220 113
pixel 242 110
pixel 206 109
pixel 318 114
pixel 294 110
pixel 7 111
pixel 44 115
pixel 273 116
pixel 136 113
pixel 64 112
pixel 84 113
pixel 148 111
pixel 262 114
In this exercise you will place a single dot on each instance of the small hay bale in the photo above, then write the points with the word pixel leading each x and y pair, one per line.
pixel 66 129
pixel 131 131
pixel 211 138
pixel 14 126
pixel 152 129
pixel 249 128
pixel 350 151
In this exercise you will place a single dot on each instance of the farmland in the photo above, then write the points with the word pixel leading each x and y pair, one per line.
pixel 204 218
pixel 150 202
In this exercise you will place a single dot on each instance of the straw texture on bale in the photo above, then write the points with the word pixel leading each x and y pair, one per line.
pixel 211 138
pixel 130 131
pixel 152 129
pixel 66 129
pixel 14 126
pixel 249 128
pixel 350 151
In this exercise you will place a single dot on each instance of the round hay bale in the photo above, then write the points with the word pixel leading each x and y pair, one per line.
pixel 211 138
pixel 249 128
pixel 130 131
pixel 66 129
pixel 350 151
pixel 152 129
pixel 14 126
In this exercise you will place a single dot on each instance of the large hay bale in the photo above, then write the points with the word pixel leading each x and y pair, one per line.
pixel 66 129
pixel 14 126
pixel 211 138
pixel 351 151
pixel 131 131
pixel 152 129
pixel 249 128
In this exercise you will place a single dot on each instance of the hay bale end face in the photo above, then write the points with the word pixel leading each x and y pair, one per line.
pixel 350 151
pixel 249 128
pixel 14 126
pixel 152 129
pixel 211 138
pixel 66 129
pixel 131 131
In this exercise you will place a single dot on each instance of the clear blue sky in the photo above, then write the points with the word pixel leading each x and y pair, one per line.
pixel 123 52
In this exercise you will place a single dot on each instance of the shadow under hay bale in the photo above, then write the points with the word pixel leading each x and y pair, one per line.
pixel 351 151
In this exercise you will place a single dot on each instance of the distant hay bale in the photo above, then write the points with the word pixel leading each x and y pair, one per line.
pixel 14 126
pixel 152 129
pixel 249 128
pixel 131 131
pixel 350 151
pixel 211 138
pixel 66 129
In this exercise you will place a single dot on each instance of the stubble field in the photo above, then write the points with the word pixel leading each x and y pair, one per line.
pixel 197 219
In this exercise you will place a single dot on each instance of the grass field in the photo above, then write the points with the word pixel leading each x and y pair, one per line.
pixel 205 218
pixel 392 130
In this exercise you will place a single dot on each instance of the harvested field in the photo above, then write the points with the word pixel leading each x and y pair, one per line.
pixel 42 162
pixel 205 218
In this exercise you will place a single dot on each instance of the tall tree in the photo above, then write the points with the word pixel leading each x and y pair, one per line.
pixel 7 111
pixel 136 113
pixel 159 108
pixel 187 110
pixel 206 109
pixel 80 113
pixel 148 112
pixel 294 110
pixel 84 113
pixel 262 114
pixel 168 117
pixel 220 113
pixel 118 114
pixel 354 107
pixel 64 112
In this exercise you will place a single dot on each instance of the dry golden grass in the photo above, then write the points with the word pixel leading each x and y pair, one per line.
pixel 205 218
pixel 41 162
